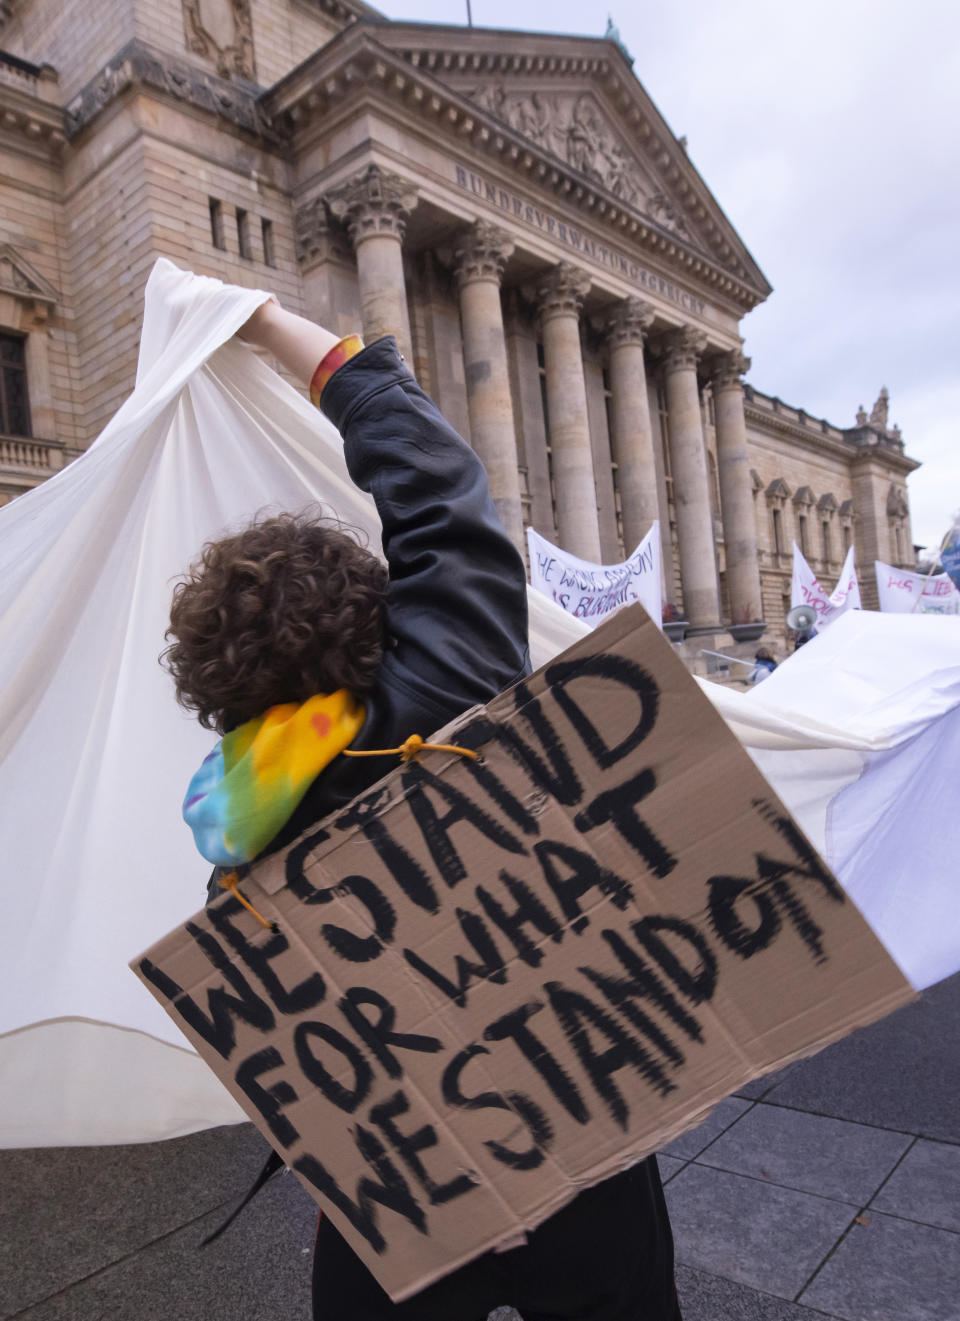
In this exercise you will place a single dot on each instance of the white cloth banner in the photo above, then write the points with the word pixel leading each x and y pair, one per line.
pixel 906 593
pixel 805 589
pixel 95 754
pixel 593 591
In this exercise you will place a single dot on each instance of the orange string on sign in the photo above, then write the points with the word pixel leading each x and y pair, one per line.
pixel 409 749
pixel 230 882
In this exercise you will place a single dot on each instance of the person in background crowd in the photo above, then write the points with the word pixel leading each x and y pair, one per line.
pixel 296 646
pixel 764 667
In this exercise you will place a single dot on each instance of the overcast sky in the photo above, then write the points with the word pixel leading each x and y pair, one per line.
pixel 828 132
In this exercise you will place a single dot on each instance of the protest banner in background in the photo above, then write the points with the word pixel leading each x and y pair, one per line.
pixel 489 984
pixel 807 590
pixel 950 553
pixel 906 593
pixel 593 591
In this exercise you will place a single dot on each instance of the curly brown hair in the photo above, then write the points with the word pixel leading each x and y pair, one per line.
pixel 289 607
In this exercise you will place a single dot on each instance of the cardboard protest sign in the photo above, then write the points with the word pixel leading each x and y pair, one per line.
pixel 593 591
pixel 493 983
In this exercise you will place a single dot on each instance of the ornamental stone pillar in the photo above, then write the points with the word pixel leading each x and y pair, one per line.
pixel 691 482
pixel 480 256
pixel 560 296
pixel 631 437
pixel 375 207
pixel 736 489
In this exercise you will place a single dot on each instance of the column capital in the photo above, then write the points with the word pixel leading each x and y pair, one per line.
pixel 727 368
pixel 480 253
pixel 373 203
pixel 682 349
pixel 627 322
pixel 561 291
pixel 316 237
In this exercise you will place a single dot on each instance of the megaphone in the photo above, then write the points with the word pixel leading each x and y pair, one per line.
pixel 801 618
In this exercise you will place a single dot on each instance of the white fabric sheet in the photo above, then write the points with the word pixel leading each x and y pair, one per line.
pixel 94 754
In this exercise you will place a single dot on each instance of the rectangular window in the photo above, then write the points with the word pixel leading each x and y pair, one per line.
pixel 617 501
pixel 217 236
pixel 846 537
pixel 802 529
pixel 266 233
pixel 777 532
pixel 243 234
pixel 665 440
pixel 14 400
pixel 827 548
pixel 542 371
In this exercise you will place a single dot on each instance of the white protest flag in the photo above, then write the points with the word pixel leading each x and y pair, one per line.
pixel 846 594
pixel 95 754
pixel 805 589
pixel 593 591
pixel 901 592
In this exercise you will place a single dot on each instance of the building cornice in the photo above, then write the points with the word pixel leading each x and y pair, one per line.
pixel 138 66
pixel 769 414
pixel 25 110
pixel 357 62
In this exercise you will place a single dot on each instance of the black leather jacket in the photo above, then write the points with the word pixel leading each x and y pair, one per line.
pixel 456 601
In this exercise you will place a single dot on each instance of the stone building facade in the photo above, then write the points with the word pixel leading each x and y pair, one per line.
pixel 511 206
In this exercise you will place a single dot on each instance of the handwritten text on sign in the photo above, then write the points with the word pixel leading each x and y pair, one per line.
pixel 492 983
pixel 593 591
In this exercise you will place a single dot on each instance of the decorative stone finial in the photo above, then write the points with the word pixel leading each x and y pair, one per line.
pixel 878 415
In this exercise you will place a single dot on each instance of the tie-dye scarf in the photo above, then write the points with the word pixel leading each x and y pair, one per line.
pixel 251 783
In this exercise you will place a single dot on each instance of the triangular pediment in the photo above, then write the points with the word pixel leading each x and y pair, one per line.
pixel 19 278
pixel 579 100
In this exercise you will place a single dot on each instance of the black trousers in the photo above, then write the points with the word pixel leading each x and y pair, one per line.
pixel 607 1256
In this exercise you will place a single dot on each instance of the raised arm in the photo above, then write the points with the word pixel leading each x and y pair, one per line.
pixel 294 341
pixel 457 594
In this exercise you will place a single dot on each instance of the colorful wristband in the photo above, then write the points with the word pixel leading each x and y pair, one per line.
pixel 341 352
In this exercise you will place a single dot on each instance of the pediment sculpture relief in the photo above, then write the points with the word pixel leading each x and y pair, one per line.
pixel 573 128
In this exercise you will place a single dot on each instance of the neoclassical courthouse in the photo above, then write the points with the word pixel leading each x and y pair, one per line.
pixel 510 205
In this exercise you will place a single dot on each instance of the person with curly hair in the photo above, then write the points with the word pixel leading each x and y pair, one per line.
pixel 294 643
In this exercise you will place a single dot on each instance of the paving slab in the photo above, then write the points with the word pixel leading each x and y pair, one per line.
pixel 829 1157
pixel 705 1297
pixel 901 1073
pixel 669 1166
pixel 925 1186
pixel 77 1209
pixel 691 1143
pixel 758 1087
pixel 260 1268
pixel 890 1270
pixel 750 1231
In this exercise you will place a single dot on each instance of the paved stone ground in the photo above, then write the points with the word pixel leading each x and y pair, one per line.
pixel 831 1190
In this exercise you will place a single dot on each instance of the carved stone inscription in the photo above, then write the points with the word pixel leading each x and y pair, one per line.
pixel 575 239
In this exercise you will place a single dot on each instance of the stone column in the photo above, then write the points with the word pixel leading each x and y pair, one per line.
pixel 632 438
pixel 480 256
pixel 736 489
pixel 375 207
pixel 560 296
pixel 691 482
